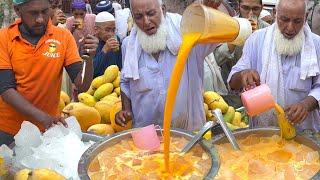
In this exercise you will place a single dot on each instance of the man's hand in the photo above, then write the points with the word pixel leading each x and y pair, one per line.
pixel 111 44
pixel 249 79
pixel 76 24
pixel 47 121
pixel 123 117
pixel 90 45
pixel 296 113
pixel 59 17
pixel 254 24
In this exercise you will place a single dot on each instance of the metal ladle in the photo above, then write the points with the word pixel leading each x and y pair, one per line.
pixel 218 114
pixel 198 136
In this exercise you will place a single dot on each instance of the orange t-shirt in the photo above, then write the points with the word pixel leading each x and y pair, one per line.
pixel 38 70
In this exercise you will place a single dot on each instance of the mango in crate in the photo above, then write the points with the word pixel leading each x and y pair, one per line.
pixel 237 119
pixel 97 82
pixel 104 108
pixel 86 115
pixel 87 99
pixel 229 115
pixel 103 91
pixel 111 73
pixel 101 129
pixel 64 96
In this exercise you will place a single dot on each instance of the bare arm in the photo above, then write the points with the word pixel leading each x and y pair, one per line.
pixel 23 106
pixel 126 102
pixel 13 98
pixel 125 114
pixel 88 76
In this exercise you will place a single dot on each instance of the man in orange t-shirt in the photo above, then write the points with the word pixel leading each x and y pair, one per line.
pixel 33 54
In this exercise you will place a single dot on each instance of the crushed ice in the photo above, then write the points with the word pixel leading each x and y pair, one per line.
pixel 59 148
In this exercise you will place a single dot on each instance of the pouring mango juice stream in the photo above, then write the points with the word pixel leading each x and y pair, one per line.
pixel 187 43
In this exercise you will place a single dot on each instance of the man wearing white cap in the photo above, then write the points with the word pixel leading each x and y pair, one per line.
pixel 266 16
pixel 108 51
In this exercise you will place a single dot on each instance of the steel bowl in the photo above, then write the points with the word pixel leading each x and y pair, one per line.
pixel 267 132
pixel 106 142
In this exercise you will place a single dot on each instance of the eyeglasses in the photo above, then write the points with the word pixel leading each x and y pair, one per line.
pixel 255 9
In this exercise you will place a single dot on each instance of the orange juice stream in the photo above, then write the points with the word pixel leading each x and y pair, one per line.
pixel 187 43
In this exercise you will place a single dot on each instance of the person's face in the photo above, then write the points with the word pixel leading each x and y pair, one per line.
pixel 54 6
pixel 79 13
pixel 291 18
pixel 105 30
pixel 34 15
pixel 147 15
pixel 250 8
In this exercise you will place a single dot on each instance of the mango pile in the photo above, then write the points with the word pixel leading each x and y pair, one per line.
pixel 97 107
pixel 234 120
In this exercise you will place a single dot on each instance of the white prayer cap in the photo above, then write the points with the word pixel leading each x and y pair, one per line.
pixel 264 13
pixel 104 17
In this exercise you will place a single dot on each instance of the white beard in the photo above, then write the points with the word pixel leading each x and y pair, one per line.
pixel 156 42
pixel 288 47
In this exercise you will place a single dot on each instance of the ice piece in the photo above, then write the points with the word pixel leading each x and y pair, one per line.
pixel 36 162
pixel 57 131
pixel 21 152
pixel 6 153
pixel 74 126
pixel 29 135
pixel 61 149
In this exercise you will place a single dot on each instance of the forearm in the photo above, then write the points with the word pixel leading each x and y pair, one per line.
pixel 126 102
pixel 20 104
pixel 84 85
pixel 310 103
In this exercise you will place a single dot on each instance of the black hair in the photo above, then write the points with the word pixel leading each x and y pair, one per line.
pixel 260 2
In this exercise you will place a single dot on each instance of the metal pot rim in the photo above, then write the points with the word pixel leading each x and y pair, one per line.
pixel 87 156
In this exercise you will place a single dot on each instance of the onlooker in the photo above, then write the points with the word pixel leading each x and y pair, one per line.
pixel 80 24
pixel 88 7
pixel 105 6
pixel 56 14
pixel 116 6
pixel 266 16
pixel 108 51
pixel 123 18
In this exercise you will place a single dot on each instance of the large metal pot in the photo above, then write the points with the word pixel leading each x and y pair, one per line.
pixel 101 145
pixel 267 132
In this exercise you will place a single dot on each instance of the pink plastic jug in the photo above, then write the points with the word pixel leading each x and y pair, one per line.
pixel 146 138
pixel 257 100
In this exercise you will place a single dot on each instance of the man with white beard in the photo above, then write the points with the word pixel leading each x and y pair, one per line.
pixel 149 55
pixel 286 57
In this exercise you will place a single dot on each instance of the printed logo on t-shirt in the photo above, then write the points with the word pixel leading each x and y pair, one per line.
pixel 52 48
